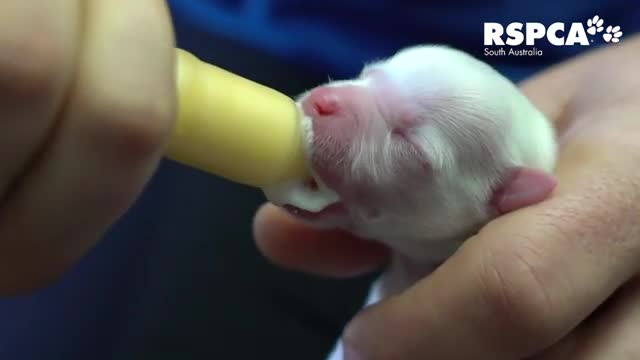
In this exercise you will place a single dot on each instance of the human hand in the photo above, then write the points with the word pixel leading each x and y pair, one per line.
pixel 528 284
pixel 87 101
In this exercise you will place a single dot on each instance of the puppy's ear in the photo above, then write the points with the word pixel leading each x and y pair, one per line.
pixel 522 187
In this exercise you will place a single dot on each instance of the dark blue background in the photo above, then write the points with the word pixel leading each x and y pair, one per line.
pixel 179 275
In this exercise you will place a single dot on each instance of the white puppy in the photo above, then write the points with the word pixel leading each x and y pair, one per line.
pixel 418 152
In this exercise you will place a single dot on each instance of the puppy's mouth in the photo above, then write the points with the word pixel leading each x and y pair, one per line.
pixel 305 197
pixel 332 209
pixel 310 183
pixel 336 209
pixel 309 198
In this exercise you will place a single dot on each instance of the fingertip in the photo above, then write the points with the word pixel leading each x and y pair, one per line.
pixel 269 224
pixel 396 319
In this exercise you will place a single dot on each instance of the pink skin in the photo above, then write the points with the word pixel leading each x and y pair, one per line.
pixel 347 116
pixel 526 187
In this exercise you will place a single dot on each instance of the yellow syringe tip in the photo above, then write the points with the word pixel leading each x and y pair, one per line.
pixel 235 128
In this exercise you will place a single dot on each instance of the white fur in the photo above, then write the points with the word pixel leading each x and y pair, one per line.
pixel 478 125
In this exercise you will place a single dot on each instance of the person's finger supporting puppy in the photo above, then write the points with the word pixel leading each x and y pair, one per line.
pixel 528 278
pixel 610 333
pixel 292 244
pixel 118 118
pixel 38 40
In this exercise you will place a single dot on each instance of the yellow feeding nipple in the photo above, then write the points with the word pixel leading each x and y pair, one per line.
pixel 235 128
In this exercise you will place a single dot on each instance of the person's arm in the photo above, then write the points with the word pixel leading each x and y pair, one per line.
pixel 87 102
pixel 530 279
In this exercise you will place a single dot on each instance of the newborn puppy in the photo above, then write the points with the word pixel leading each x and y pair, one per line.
pixel 418 152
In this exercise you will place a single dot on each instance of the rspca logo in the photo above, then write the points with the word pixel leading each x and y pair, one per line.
pixel 496 36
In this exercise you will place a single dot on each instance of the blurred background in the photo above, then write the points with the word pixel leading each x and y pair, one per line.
pixel 179 275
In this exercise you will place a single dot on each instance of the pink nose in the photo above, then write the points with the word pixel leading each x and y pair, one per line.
pixel 321 101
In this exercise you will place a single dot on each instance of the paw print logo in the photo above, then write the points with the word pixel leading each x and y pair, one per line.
pixel 595 25
pixel 612 34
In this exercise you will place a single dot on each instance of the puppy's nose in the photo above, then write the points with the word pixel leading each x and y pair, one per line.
pixel 321 102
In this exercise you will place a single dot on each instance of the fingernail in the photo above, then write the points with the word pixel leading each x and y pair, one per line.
pixel 349 353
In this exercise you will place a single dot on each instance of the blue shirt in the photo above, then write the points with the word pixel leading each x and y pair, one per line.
pixel 338 36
